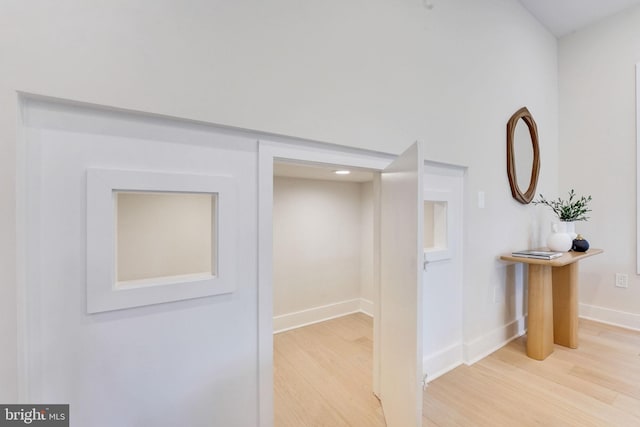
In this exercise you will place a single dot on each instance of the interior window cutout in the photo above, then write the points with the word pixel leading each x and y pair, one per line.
pixel 436 230
pixel 156 237
pixel 164 234
pixel 435 225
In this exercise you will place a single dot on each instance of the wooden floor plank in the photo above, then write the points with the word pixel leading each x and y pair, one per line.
pixel 322 376
pixel 594 385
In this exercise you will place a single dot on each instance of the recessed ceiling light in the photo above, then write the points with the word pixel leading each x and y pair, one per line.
pixel 342 172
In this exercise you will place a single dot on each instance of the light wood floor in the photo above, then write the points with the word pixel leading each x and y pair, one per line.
pixel 323 378
pixel 597 384
pixel 322 375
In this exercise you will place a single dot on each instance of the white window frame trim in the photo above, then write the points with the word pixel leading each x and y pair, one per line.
pixel 103 292
pixel 440 253
pixel 638 168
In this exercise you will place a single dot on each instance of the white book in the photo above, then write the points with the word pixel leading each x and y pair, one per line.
pixel 537 254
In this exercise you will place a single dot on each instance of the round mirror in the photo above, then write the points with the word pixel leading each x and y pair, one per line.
pixel 523 157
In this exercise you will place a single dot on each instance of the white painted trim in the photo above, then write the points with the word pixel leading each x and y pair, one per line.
pixel 609 316
pixel 317 153
pixel 444 169
pixel 103 291
pixel 367 307
pixel 482 346
pixel 442 361
pixel 24 236
pixel 29 302
pixel 302 151
pixel 310 316
pixel 638 168
pixel 265 285
pixel 377 184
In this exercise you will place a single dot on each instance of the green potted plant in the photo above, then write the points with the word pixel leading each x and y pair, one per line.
pixel 573 209
pixel 568 211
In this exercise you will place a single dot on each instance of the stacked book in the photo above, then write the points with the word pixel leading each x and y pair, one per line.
pixel 537 254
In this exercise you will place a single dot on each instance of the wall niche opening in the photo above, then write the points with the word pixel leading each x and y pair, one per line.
pixel 164 234
pixel 435 225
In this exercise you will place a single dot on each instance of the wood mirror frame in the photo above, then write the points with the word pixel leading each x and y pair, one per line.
pixel 524 115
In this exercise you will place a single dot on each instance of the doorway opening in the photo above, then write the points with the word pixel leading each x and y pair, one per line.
pixel 323 294
pixel 398 297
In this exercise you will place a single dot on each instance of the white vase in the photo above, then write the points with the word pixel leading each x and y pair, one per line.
pixel 569 227
pixel 562 237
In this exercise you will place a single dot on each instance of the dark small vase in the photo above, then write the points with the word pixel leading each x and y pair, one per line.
pixel 579 244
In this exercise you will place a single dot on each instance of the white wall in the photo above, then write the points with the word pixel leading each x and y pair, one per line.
pixel 317 249
pixel 490 58
pixel 189 362
pixel 598 157
pixel 374 74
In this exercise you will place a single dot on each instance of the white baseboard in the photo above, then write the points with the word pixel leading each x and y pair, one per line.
pixel 442 361
pixel 298 319
pixel 610 316
pixel 366 307
pixel 481 347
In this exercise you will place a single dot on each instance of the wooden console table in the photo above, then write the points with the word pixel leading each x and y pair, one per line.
pixel 553 301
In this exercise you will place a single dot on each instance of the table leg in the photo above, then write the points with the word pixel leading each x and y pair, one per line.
pixel 565 305
pixel 540 328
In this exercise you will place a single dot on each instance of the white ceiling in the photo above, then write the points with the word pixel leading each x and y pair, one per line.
pixel 562 17
pixel 322 172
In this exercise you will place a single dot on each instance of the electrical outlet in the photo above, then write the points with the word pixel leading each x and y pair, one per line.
pixel 622 280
